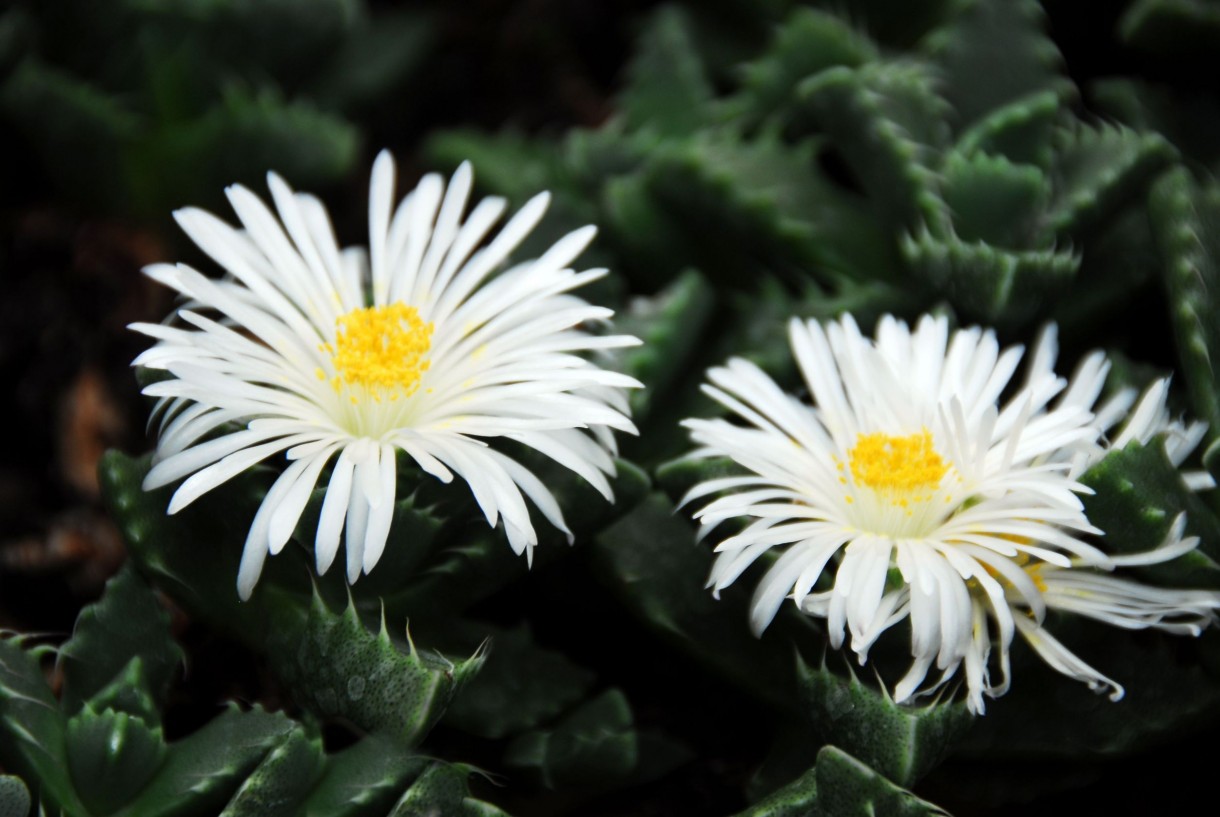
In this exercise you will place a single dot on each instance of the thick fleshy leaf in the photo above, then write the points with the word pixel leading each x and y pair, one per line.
pixel 193 556
pixel 32 728
pixel 1169 694
pixel 336 667
pixel 1179 32
pixel 1099 170
pixel 1138 495
pixel 1188 117
pixel 593 743
pixel 520 686
pixel 1000 287
pixel 1116 271
pixel 111 756
pixel 848 788
pixel 797 799
pixel 670 324
pixel 415 534
pixel 279 784
pixel 1020 131
pixel 667 92
pixel 365 779
pixel 887 121
pixel 126 625
pixel 238 138
pixel 471 563
pixel 496 157
pixel 1186 226
pixel 994 200
pixel 809 41
pixel 376 56
pixel 14 797
pixel 442 790
pixel 840 785
pixel 978 76
pixel 900 741
pixel 201 772
pixel 651 558
pixel 595 746
pixel 734 208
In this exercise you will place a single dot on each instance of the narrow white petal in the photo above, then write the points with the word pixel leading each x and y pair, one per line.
pixel 334 512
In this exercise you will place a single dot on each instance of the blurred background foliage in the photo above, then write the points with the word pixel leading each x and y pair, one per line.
pixel 1004 161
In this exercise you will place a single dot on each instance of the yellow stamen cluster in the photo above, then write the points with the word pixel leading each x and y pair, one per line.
pixel 905 468
pixel 383 350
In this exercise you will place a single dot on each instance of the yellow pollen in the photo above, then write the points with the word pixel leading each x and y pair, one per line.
pixel 908 466
pixel 383 349
pixel 1035 572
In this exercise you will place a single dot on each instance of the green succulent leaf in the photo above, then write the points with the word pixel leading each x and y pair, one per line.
pixel 337 668
pixel 373 59
pixel 979 77
pixel 1097 171
pixel 1188 117
pixel 994 200
pixel 127 625
pixel 32 728
pixel 1048 717
pixel 201 772
pixel 237 139
pixel 1175 31
pixel 279 784
pixel 670 324
pixel 1021 131
pixel 842 786
pixel 886 121
pixel 667 91
pixel 192 556
pixel 1116 270
pixel 1000 287
pixel 507 163
pixel 520 686
pixel 111 756
pixel 366 778
pixel 1138 493
pixel 796 799
pixel 678 476
pixel 416 533
pixel 808 42
pixel 443 789
pixel 733 209
pixel 651 557
pixel 1186 225
pixel 847 787
pixel 595 745
pixel 463 571
pixel 14 797
pixel 283 38
pixel 900 741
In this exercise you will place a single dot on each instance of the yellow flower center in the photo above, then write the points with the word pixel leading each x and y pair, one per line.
pixel 908 468
pixel 383 350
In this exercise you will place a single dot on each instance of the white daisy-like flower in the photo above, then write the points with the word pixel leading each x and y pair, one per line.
pixel 924 499
pixel 338 357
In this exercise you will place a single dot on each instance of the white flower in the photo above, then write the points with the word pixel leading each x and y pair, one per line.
pixel 1114 601
pixel 332 356
pixel 923 497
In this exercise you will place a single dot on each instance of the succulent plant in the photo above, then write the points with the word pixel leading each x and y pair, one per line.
pixel 761 161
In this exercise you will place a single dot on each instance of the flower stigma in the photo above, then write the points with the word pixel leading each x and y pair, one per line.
pixel 380 351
